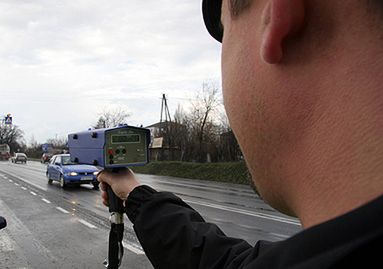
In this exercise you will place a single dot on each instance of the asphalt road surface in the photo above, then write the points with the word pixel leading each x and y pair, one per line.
pixel 50 227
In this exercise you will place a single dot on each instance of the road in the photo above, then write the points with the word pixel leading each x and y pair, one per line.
pixel 50 227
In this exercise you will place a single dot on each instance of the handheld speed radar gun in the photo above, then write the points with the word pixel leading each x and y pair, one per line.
pixel 113 149
pixel 110 148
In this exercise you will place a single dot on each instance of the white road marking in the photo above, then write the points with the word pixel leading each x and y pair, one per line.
pixel 45 200
pixel 10 180
pixel 87 224
pixel 246 212
pixel 33 193
pixel 31 183
pixel 17 184
pixel 62 210
pixel 280 235
pixel 19 230
pixel 24 188
pixel 226 208
pixel 133 248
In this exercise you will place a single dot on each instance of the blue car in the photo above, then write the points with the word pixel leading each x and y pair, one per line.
pixel 61 169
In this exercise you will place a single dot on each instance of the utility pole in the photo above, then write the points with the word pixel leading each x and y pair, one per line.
pixel 165 121
pixel 165 109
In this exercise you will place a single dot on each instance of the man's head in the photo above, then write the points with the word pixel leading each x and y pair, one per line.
pixel 286 65
pixel 212 12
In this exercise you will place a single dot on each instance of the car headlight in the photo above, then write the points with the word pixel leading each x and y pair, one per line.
pixel 95 173
pixel 73 174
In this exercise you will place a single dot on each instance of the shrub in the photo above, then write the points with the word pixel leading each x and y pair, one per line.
pixel 230 172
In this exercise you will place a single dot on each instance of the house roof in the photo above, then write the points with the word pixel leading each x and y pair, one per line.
pixel 163 124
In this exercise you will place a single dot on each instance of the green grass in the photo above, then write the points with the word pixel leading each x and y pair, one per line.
pixel 231 172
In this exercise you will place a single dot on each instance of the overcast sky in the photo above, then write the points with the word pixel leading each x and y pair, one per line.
pixel 63 62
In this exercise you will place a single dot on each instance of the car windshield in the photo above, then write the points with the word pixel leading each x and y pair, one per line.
pixel 65 160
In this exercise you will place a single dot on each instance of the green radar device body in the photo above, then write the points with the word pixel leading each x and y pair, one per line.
pixel 110 148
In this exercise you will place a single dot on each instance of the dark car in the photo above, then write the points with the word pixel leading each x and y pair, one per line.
pixel 61 169
pixel 19 158
pixel 46 157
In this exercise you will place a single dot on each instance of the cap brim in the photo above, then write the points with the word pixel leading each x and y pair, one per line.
pixel 211 10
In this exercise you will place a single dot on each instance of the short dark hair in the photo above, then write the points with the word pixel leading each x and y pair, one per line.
pixel 375 12
pixel 237 6
pixel 378 4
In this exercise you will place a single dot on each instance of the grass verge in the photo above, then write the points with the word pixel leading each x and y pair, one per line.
pixel 230 172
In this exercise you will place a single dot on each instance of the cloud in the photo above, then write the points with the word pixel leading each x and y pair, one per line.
pixel 63 61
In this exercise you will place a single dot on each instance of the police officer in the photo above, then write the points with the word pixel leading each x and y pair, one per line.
pixel 303 90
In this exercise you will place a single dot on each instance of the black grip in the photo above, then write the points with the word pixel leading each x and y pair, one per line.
pixel 115 250
pixel 115 203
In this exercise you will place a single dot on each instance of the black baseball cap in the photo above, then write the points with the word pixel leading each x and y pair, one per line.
pixel 211 10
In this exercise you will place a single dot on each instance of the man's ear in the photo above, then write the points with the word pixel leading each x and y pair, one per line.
pixel 281 19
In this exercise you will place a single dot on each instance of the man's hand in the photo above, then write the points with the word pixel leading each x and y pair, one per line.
pixel 122 182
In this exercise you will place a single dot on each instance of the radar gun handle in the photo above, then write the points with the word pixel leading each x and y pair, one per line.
pixel 116 249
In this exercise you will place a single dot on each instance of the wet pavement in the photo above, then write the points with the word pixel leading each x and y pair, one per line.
pixel 51 227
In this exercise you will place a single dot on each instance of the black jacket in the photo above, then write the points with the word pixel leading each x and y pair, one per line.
pixel 173 235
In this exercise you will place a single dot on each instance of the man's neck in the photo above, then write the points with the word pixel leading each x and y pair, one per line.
pixel 340 158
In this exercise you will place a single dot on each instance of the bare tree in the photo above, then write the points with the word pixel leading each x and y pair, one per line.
pixel 33 143
pixel 204 133
pixel 203 127
pixel 11 135
pixel 59 143
pixel 112 117
pixel 33 148
pixel 180 131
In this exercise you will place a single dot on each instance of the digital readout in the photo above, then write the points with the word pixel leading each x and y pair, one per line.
pixel 130 138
